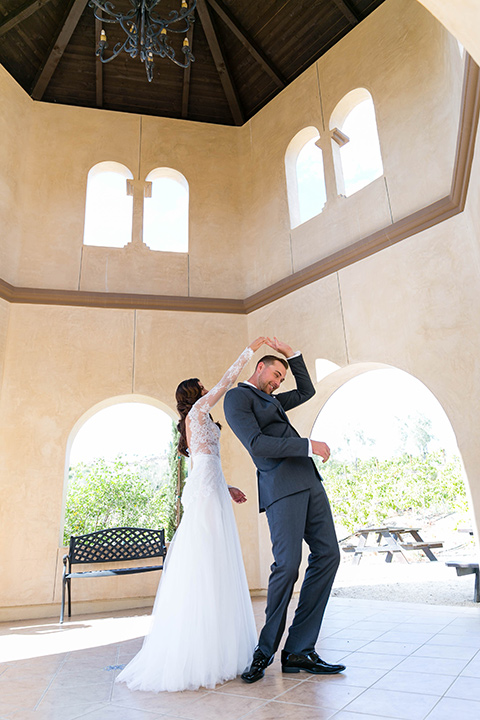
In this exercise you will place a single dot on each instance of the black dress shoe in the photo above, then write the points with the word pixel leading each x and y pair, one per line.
pixel 257 668
pixel 292 663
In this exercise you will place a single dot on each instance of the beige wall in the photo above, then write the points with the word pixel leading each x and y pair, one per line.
pixel 462 20
pixel 238 199
pixel 413 69
pixel 4 317
pixel 15 114
pixel 413 306
pixel 59 363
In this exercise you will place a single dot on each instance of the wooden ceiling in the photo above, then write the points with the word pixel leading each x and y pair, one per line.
pixel 246 52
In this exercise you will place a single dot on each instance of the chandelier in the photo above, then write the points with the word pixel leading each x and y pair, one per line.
pixel 147 34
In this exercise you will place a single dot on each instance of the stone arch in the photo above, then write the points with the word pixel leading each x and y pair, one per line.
pixel 329 384
pixel 93 410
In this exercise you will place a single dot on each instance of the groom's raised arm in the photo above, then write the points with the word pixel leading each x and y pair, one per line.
pixel 241 418
pixel 305 388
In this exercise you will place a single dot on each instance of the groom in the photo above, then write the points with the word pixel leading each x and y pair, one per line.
pixel 291 493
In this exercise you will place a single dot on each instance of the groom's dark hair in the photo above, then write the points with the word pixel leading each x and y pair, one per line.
pixel 270 359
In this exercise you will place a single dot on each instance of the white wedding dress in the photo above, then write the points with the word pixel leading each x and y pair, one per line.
pixel 203 630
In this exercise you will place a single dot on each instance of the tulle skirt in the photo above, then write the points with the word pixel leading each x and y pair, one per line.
pixel 203 630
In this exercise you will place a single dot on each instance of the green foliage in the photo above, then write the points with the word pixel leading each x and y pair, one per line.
pixel 367 492
pixel 119 493
pixel 175 481
pixel 112 494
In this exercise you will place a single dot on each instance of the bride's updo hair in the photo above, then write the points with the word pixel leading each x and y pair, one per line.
pixel 186 395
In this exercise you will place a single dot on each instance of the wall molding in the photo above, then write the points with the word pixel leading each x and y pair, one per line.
pixel 427 217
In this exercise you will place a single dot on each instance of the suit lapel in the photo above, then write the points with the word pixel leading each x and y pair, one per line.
pixel 270 398
pixel 260 393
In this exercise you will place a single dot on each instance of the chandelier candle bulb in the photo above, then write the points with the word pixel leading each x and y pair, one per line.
pixel 146 30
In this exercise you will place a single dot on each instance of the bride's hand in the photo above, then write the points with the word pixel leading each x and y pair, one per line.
pixel 237 495
pixel 256 344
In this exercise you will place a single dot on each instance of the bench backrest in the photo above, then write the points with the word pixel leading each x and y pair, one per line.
pixel 117 545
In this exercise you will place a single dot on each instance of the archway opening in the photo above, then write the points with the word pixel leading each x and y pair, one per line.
pixel 395 464
pixel 121 468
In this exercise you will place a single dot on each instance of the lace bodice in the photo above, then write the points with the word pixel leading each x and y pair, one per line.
pixel 204 433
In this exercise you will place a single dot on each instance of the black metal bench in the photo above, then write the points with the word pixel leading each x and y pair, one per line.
pixel 111 546
pixel 465 567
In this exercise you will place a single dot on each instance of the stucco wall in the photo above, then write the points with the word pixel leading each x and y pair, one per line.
pixel 59 363
pixel 238 199
pixel 4 317
pixel 15 114
pixel 462 20
pixel 412 68
pixel 413 306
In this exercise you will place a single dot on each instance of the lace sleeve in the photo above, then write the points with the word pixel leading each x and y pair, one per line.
pixel 213 396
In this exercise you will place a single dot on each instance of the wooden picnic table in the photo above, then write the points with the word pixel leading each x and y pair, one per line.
pixel 391 540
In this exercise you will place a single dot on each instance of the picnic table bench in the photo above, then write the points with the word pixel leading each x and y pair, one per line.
pixel 390 540
pixel 467 567
pixel 113 545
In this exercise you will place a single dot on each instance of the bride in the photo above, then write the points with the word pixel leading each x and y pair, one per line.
pixel 202 630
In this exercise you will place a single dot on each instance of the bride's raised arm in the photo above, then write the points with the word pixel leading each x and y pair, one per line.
pixel 205 403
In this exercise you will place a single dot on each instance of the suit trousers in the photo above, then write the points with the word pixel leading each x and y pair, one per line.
pixel 305 515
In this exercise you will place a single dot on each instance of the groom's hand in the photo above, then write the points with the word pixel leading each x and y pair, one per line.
pixel 237 495
pixel 280 346
pixel 320 448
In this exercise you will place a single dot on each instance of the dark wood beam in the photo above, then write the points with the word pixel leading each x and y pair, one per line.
pixel 351 13
pixel 98 66
pixel 220 63
pixel 255 50
pixel 186 76
pixel 55 55
pixel 23 12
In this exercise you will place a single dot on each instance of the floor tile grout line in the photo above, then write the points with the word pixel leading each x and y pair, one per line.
pixel 441 697
pixel 255 697
pixel 51 681
pixel 114 674
pixel 462 620
pixel 245 715
pixel 359 649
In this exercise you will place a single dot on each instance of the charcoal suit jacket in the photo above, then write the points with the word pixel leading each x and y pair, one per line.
pixel 261 424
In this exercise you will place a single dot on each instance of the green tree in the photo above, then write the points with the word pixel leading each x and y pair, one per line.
pixel 120 493
pixel 175 481
pixel 367 492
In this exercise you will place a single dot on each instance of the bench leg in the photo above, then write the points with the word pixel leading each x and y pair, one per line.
pixel 69 589
pixel 476 592
pixel 62 611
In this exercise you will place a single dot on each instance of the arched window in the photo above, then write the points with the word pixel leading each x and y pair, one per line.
pixel 356 147
pixel 395 459
pixel 305 177
pixel 165 215
pixel 108 209
pixel 121 457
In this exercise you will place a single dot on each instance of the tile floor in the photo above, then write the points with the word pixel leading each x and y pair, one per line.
pixel 404 660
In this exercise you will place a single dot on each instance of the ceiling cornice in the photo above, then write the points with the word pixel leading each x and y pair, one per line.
pixel 421 220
